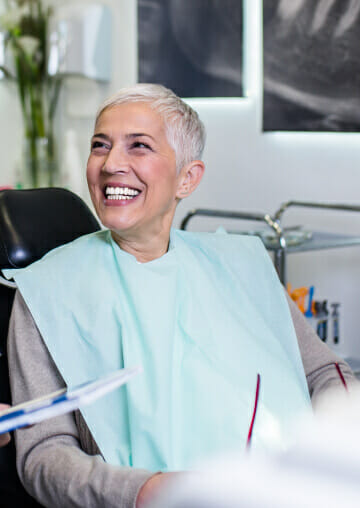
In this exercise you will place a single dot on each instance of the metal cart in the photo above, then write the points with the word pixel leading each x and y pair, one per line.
pixel 279 242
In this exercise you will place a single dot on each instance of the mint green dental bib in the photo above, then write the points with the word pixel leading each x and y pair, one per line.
pixel 203 321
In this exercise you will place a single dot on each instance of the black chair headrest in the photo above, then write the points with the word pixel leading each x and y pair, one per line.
pixel 32 222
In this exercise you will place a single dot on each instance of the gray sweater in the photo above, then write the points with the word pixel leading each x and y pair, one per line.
pixel 59 462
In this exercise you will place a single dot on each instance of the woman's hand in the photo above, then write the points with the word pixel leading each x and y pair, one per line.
pixel 4 438
pixel 153 487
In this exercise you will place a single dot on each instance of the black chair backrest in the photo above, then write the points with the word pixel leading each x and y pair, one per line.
pixel 32 222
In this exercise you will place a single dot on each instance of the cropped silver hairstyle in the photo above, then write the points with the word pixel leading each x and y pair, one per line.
pixel 184 129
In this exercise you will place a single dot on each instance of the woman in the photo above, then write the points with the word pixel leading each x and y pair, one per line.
pixel 203 314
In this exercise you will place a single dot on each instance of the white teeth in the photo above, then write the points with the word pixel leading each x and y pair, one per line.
pixel 120 192
pixel 119 197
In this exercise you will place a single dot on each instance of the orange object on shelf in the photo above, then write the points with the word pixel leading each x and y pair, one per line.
pixel 299 295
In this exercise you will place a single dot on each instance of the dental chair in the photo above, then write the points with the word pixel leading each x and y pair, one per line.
pixel 32 222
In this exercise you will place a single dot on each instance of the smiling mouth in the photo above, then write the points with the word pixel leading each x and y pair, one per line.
pixel 120 193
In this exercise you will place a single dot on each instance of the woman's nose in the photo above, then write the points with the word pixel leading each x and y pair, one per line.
pixel 116 162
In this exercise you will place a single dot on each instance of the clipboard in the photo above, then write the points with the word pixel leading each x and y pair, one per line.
pixel 63 401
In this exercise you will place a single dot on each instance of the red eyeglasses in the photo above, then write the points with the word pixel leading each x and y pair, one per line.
pixel 257 393
pixel 251 428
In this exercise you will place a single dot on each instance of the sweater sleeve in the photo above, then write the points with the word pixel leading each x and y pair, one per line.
pixel 51 464
pixel 319 361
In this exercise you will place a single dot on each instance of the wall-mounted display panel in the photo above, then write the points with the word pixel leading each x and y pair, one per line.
pixel 311 65
pixel 192 46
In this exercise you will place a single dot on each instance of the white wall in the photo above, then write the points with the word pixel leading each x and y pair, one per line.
pixel 246 170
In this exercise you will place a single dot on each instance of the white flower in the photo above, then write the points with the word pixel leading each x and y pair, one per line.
pixel 28 44
pixel 11 18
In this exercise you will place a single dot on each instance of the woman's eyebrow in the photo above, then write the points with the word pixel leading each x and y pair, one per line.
pixel 138 135
pixel 101 135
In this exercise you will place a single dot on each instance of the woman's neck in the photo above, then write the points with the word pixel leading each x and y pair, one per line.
pixel 144 249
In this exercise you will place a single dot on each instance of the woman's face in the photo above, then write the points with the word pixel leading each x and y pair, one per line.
pixel 131 171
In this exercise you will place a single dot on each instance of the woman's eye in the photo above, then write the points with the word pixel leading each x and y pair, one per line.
pixel 139 144
pixel 99 144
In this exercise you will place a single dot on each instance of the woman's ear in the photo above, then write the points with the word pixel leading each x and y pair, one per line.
pixel 189 178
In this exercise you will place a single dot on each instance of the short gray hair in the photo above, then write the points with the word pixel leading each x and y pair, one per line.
pixel 184 129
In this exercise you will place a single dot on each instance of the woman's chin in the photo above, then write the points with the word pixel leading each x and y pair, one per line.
pixel 119 229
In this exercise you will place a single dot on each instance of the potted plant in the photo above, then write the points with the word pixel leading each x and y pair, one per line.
pixel 25 25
